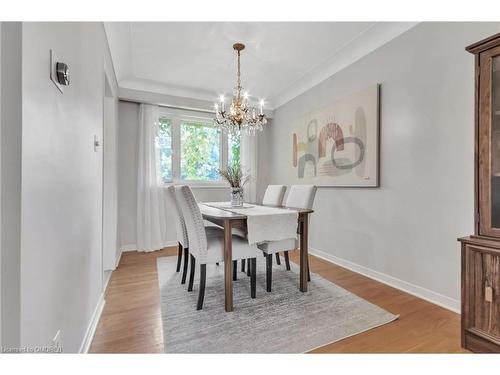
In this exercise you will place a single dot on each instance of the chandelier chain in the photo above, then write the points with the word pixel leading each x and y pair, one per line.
pixel 239 74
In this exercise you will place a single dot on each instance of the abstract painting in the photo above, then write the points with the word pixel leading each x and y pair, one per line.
pixel 338 145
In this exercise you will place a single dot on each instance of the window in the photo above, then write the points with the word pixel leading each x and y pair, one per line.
pixel 192 149
pixel 164 143
pixel 200 152
pixel 233 149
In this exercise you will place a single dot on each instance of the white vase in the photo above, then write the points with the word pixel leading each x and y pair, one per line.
pixel 237 197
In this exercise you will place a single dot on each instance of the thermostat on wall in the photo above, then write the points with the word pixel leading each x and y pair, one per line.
pixel 53 70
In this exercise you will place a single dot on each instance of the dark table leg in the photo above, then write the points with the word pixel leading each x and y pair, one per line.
pixel 303 229
pixel 228 265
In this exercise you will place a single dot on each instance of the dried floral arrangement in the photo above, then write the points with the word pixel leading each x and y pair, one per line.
pixel 234 175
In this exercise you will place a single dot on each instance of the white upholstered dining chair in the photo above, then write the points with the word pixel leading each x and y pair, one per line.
pixel 272 197
pixel 299 196
pixel 180 230
pixel 209 249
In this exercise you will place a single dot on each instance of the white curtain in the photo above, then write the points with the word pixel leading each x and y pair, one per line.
pixel 151 220
pixel 248 159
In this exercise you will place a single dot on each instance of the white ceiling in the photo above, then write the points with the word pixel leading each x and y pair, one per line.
pixel 281 59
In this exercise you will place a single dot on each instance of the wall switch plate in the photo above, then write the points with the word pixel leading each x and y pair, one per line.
pixel 53 74
pixel 97 143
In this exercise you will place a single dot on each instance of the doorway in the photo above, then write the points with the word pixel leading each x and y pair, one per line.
pixel 110 183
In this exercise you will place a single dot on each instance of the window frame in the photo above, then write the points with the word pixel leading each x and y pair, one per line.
pixel 176 118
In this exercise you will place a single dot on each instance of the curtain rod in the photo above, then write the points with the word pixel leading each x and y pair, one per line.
pixel 172 106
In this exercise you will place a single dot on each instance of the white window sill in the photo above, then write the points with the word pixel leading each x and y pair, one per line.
pixel 200 185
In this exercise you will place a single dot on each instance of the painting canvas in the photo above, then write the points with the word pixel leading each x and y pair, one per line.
pixel 338 145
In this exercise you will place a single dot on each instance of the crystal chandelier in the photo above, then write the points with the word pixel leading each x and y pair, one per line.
pixel 241 118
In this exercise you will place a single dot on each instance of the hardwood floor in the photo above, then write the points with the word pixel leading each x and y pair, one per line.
pixel 131 320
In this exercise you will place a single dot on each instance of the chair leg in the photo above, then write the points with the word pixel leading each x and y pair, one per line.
pixel 287 260
pixel 179 258
pixel 248 268
pixel 308 272
pixel 278 260
pixel 191 273
pixel 243 265
pixel 203 278
pixel 252 263
pixel 269 271
pixel 185 268
pixel 235 269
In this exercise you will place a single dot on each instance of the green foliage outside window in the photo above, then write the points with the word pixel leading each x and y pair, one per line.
pixel 200 151
pixel 234 149
pixel 164 143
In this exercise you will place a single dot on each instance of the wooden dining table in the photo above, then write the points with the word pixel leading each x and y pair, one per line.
pixel 229 220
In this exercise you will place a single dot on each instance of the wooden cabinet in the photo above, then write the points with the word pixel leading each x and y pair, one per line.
pixel 481 294
pixel 481 251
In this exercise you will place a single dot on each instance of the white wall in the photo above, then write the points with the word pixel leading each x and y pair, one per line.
pixel 61 241
pixel 0 186
pixel 128 136
pixel 11 131
pixel 405 231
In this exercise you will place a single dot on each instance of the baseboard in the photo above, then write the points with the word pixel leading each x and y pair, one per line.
pixel 134 247
pixel 89 335
pixel 124 248
pixel 106 282
pixel 171 244
pixel 418 291
pixel 118 258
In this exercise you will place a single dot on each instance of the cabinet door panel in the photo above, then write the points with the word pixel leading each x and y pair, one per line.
pixel 483 268
pixel 489 142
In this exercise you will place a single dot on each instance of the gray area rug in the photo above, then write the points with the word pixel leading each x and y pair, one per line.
pixel 283 321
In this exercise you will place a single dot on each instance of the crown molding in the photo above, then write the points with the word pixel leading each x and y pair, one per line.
pixel 137 84
pixel 165 89
pixel 365 43
pixel 189 103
